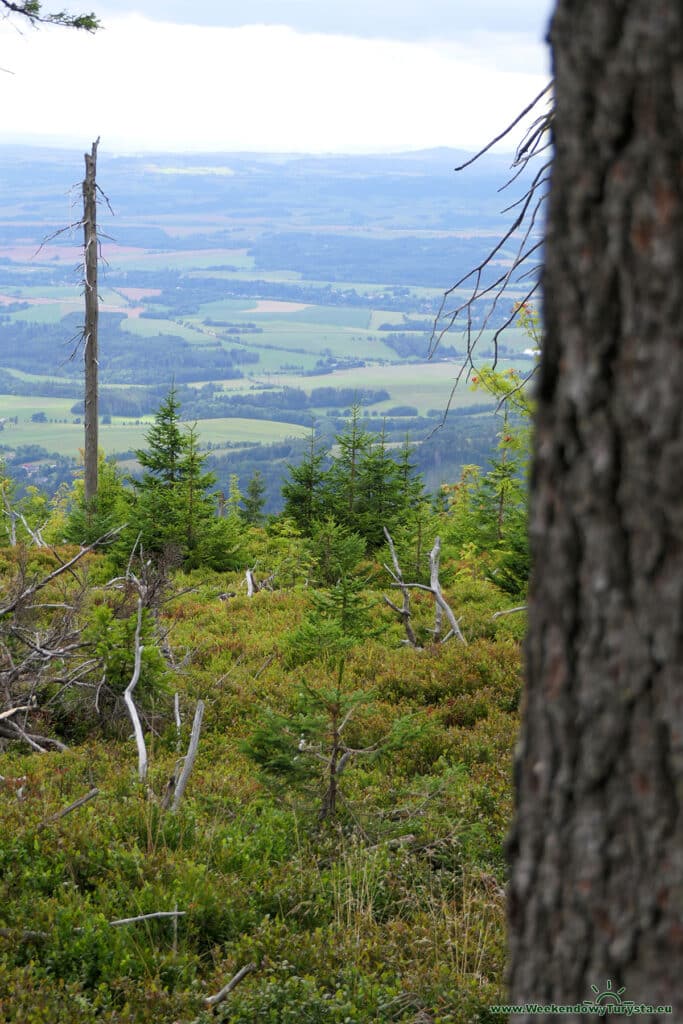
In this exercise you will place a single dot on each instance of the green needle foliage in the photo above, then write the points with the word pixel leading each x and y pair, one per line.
pixel 309 749
pixel 488 513
pixel 86 521
pixel 336 551
pixel 364 489
pixel 174 514
pixel 254 499
pixel 302 492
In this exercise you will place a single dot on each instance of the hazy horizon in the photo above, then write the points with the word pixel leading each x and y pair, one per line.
pixel 340 79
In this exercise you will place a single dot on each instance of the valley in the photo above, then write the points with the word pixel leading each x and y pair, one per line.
pixel 242 280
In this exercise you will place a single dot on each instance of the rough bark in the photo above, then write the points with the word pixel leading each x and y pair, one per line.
pixel 90 340
pixel 596 851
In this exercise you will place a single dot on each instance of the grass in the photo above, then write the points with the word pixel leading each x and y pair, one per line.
pixel 391 914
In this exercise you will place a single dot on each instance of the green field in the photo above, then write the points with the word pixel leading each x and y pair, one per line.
pixel 151 328
pixel 335 316
pixel 297 334
pixel 275 276
pixel 220 431
pixel 291 340
pixel 49 312
pixel 423 385
pixel 121 435
pixel 24 406
pixel 42 378
pixel 183 259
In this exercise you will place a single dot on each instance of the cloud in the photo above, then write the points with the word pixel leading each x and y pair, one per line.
pixel 388 19
pixel 145 85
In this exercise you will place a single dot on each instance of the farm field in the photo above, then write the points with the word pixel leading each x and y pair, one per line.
pixel 121 436
pixel 247 283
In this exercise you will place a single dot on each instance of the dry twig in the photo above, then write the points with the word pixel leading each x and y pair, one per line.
pixel 233 983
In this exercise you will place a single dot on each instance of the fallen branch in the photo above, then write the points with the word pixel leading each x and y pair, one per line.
pixel 10 730
pixel 12 515
pixel 509 611
pixel 35 535
pixel 147 917
pixel 393 844
pixel 24 934
pixel 269 661
pixel 72 807
pixel 13 711
pixel 233 983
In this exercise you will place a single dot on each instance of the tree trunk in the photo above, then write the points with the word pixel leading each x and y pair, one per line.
pixel 91 318
pixel 596 852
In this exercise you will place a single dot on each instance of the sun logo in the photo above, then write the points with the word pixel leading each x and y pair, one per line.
pixel 608 994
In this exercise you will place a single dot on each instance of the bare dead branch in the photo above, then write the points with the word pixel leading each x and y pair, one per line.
pixel 176 716
pixel 269 661
pixel 534 142
pixel 233 983
pixel 65 567
pixel 509 611
pixel 22 934
pixel 190 756
pixel 130 704
pixel 11 730
pixel 13 711
pixel 455 628
pixel 397 575
pixel 56 234
pixel 148 917
pixel 72 807
pixel 506 131
pixel 434 563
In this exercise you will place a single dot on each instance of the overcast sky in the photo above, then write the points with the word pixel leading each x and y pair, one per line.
pixel 286 75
